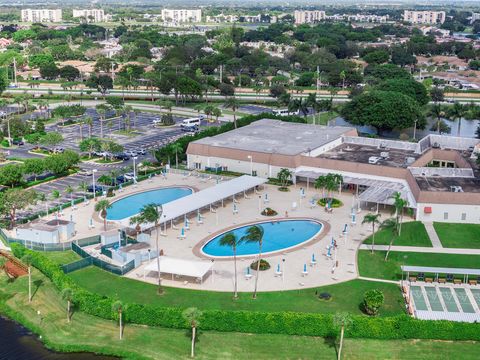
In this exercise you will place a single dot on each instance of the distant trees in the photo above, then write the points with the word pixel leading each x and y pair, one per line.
pixel 102 83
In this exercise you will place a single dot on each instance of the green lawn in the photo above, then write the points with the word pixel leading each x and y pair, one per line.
pixel 323 118
pixel 374 266
pixel 458 235
pixel 305 300
pixel 90 333
pixel 413 234
pixel 62 257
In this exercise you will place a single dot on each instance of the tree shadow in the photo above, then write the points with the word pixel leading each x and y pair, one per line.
pixel 331 342
pixel 37 284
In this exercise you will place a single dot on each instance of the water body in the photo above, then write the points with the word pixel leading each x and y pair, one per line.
pixel 18 343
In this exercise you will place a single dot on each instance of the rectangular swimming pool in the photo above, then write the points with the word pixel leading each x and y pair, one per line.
pixel 464 300
pixel 418 298
pixel 433 298
pixel 476 295
pixel 448 299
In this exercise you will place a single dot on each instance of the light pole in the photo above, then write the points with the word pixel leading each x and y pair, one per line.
pixel 134 170
pixel 93 183
pixel 251 164
pixel 415 130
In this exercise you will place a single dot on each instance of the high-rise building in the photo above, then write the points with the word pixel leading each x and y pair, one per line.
pixel 90 15
pixel 308 17
pixel 424 17
pixel 181 15
pixel 41 15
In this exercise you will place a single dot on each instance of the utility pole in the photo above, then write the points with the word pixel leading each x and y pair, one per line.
pixel 318 78
pixel 221 73
pixel 15 71
pixel 113 73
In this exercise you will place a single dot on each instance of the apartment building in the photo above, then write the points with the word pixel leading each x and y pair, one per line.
pixel 41 15
pixel 424 17
pixel 308 17
pixel 181 15
pixel 90 15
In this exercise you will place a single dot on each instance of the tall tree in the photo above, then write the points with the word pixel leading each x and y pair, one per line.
pixel 255 235
pixel 102 206
pixel 231 240
pixel 118 308
pixel 373 220
pixel 233 103
pixel 342 321
pixel 192 316
pixel 27 260
pixel 67 295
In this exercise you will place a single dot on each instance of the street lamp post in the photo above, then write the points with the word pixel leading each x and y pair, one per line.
pixel 93 183
pixel 251 164
pixel 415 130
pixel 134 170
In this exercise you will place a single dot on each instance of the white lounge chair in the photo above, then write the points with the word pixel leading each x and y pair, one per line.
pixel 294 206
pixel 304 272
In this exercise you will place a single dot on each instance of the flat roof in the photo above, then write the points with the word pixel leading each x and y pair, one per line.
pixel 440 270
pixel 361 153
pixel 279 137
pixel 444 184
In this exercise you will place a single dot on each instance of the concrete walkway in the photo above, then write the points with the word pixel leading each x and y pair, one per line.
pixel 379 280
pixel 433 250
pixel 432 234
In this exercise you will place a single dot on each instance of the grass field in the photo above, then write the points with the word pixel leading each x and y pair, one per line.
pixel 62 257
pixel 345 296
pixel 413 234
pixel 458 235
pixel 88 333
pixel 374 266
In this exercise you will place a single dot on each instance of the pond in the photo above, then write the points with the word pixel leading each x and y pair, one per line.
pixel 17 342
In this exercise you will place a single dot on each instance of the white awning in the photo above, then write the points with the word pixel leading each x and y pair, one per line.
pixel 182 267
pixel 205 197
pixel 440 270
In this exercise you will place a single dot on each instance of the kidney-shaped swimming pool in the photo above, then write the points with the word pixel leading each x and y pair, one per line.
pixel 131 205
pixel 278 235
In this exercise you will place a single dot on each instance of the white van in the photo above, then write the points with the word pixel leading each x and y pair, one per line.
pixel 284 112
pixel 188 124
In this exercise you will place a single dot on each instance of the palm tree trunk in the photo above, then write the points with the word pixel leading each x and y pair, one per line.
pixel 388 250
pixel 373 237
pixel 235 293
pixel 258 271
pixel 120 329
pixel 158 262
pixel 29 284
pixel 68 311
pixel 341 343
pixel 192 353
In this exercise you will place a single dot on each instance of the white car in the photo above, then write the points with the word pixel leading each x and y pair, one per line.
pixel 129 176
pixel 156 122
pixel 374 159
pixel 131 153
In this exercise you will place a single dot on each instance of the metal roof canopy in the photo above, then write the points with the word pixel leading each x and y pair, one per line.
pixel 440 270
pixel 203 198
pixel 379 191
pixel 182 267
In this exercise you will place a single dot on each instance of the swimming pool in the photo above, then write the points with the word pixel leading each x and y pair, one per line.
pixel 131 205
pixel 278 235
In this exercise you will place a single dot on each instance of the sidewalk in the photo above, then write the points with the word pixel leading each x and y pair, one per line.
pixel 433 250
pixel 432 234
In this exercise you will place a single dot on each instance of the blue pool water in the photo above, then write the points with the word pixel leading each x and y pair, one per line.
pixel 278 235
pixel 131 205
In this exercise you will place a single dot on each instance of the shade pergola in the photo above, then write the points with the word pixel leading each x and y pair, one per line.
pixel 439 270
pixel 206 197
pixel 181 267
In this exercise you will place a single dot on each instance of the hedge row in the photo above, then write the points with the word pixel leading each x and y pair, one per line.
pixel 292 323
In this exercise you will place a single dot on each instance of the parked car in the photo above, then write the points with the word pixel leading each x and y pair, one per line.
pixel 58 150
pixel 374 159
pixel 85 173
pixel 98 188
pixel 122 156
pixel 141 152
pixel 121 179
pixel 18 142
pixel 156 122
pixel 131 153
pixel 129 176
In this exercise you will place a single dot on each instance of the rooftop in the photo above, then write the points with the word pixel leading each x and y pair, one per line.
pixel 448 184
pixel 399 158
pixel 279 137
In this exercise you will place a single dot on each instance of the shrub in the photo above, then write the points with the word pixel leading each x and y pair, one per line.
pixel 264 265
pixel 335 202
pixel 372 301
pixel 269 212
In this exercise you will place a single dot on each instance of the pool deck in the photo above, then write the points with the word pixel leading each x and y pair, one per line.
pixel 324 272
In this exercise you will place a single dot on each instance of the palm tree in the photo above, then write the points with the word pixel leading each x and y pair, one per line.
pixel 342 321
pixel 255 235
pixel 230 239
pixel 69 191
pixel 149 214
pixel 392 226
pixel 176 147
pixel 114 173
pixel 372 219
pixel 284 175
pixel 102 111
pixel 217 113
pixel 192 316
pixel 232 103
pixel 117 307
pixel 320 183
pixel 102 206
pixel 27 260
pixel 83 186
pixel 89 122
pixel 438 113
pixel 399 204
pixel 312 101
pixel 55 194
pixel 458 111
pixel 67 295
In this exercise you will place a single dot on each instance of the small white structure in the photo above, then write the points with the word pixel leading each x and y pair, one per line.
pixel 181 267
pixel 110 237
pixel 47 232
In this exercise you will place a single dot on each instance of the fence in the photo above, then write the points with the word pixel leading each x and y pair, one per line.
pixel 77 265
pixel 115 269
